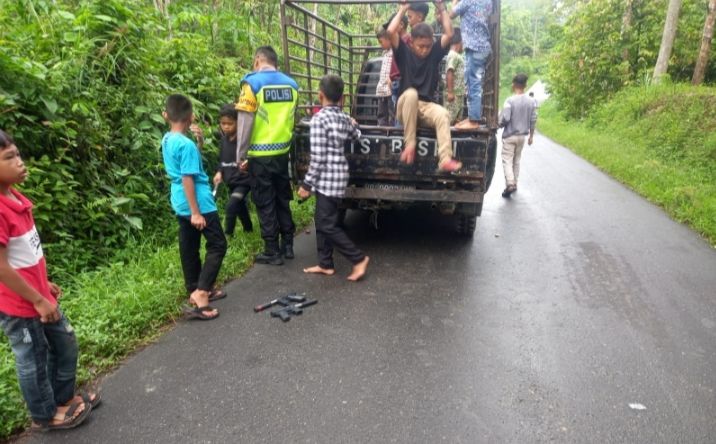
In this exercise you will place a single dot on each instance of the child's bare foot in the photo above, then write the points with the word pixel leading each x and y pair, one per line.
pixel 467 124
pixel 359 269
pixel 317 269
pixel 408 154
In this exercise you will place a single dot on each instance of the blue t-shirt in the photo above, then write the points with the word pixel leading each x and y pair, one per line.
pixel 182 158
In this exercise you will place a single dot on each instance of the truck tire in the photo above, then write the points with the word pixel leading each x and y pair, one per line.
pixel 491 160
pixel 466 224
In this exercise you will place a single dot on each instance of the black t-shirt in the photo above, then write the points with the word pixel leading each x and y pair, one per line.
pixel 421 74
pixel 228 150
pixel 232 175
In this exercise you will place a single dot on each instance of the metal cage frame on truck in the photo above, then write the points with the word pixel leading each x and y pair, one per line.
pixel 313 46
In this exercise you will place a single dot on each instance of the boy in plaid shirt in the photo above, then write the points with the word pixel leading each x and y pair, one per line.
pixel 327 178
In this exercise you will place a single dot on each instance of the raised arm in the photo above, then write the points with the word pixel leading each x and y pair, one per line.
pixel 395 24
pixel 446 22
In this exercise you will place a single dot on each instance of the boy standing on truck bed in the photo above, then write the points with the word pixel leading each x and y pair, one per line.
pixel 476 39
pixel 455 77
pixel 327 177
pixel 386 110
pixel 419 66
pixel 518 118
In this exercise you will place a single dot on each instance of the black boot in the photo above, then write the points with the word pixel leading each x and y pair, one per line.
pixel 287 249
pixel 268 258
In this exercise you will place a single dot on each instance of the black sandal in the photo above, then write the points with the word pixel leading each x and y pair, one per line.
pixel 86 397
pixel 70 421
pixel 199 313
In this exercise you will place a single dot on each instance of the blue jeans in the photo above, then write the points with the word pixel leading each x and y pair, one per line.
pixel 475 63
pixel 46 362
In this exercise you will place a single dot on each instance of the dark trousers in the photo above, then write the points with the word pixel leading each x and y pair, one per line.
pixel 237 207
pixel 272 194
pixel 196 275
pixel 386 111
pixel 330 236
pixel 46 362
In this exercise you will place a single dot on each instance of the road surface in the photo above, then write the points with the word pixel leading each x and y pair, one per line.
pixel 579 313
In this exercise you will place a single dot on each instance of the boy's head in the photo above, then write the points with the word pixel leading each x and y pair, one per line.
pixel 265 55
pixel 383 38
pixel 456 41
pixel 417 12
pixel 422 39
pixel 12 168
pixel 401 28
pixel 228 115
pixel 178 109
pixel 331 89
pixel 519 82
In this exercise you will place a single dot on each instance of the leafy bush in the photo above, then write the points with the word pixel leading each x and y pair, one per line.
pixel 596 58
pixel 82 88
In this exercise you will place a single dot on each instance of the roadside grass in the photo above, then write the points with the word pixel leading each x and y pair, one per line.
pixel 658 140
pixel 123 306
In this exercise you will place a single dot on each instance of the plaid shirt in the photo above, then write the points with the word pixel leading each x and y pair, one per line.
pixel 328 171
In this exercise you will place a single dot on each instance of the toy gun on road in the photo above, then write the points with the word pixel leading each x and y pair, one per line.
pixel 284 301
pixel 285 313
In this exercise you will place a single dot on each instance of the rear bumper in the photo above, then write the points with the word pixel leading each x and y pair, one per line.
pixel 413 195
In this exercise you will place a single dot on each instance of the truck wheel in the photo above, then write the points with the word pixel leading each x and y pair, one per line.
pixel 491 159
pixel 466 224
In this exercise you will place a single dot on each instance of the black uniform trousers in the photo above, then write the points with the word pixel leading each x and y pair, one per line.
pixel 239 186
pixel 272 194
pixel 329 235
pixel 197 276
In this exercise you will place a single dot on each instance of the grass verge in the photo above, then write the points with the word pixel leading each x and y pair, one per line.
pixel 658 140
pixel 122 306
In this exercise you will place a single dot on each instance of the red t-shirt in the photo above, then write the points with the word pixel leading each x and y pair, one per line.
pixel 24 253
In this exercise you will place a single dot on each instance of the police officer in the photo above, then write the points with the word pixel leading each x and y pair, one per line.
pixel 267 105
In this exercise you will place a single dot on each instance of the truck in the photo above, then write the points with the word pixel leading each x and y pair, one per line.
pixel 314 45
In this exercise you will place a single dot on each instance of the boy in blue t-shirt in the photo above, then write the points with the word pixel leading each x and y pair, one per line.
pixel 195 208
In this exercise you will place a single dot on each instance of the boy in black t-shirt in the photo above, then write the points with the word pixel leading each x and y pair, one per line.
pixel 238 182
pixel 419 65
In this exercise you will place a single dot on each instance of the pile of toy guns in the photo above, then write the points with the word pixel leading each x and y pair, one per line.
pixel 291 304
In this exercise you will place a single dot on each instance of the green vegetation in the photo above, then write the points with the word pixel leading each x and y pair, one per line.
pixel 123 305
pixel 607 45
pixel 82 87
pixel 659 140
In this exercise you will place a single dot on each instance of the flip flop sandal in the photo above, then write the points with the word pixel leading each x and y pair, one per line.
pixel 217 294
pixel 214 295
pixel 87 398
pixel 199 313
pixel 69 421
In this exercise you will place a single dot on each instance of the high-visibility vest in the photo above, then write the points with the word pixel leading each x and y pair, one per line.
pixel 276 97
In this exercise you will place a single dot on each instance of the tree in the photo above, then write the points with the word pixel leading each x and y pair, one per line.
pixel 703 59
pixel 667 39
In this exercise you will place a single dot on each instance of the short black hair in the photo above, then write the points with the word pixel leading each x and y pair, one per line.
pixel 520 80
pixel 421 7
pixel 229 110
pixel 422 30
pixel 178 108
pixel 382 33
pixel 5 140
pixel 403 20
pixel 268 53
pixel 456 36
pixel 332 87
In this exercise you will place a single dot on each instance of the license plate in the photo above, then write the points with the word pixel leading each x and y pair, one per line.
pixel 388 186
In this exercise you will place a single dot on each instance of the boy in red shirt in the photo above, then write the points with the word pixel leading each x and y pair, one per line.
pixel 41 338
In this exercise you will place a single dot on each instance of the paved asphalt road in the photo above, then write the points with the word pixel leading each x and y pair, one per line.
pixel 575 300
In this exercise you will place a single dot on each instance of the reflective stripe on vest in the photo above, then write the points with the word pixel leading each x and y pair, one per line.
pixel 274 120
